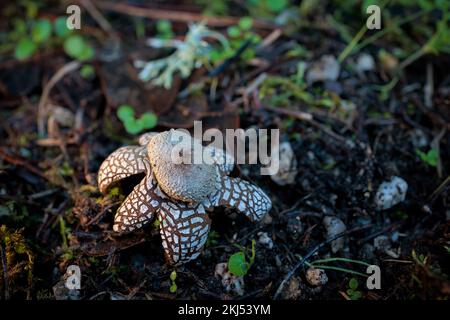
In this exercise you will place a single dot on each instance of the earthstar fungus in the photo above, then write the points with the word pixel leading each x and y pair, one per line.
pixel 178 194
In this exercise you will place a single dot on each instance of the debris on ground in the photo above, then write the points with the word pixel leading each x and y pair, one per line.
pixel 327 68
pixel 230 282
pixel 287 166
pixel 316 276
pixel 265 240
pixel 390 193
pixel 334 226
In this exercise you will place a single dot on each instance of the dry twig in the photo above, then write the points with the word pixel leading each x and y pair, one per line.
pixel 42 112
pixel 180 16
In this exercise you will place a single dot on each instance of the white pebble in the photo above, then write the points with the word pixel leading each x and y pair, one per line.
pixel 265 240
pixel 364 63
pixel 391 193
pixel 316 277
pixel 382 243
pixel 326 68
pixel 287 165
pixel 334 227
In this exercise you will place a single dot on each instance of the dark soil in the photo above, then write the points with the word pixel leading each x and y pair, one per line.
pixel 48 190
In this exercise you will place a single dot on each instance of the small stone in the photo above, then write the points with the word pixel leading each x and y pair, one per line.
pixel 382 243
pixel 230 282
pixel 316 277
pixel 418 138
pixel 391 193
pixel 326 68
pixel 265 240
pixel 61 292
pixel 287 166
pixel 335 226
pixel 365 63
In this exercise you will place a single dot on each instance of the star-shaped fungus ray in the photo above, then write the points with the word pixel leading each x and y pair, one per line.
pixel 244 197
pixel 122 163
pixel 145 138
pixel 184 229
pixel 139 207
pixel 221 158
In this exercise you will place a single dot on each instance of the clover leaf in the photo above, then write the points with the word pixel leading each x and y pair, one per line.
pixel 76 47
pixel 60 26
pixel 431 157
pixel 25 48
pixel 132 125
pixel 41 30
pixel 238 264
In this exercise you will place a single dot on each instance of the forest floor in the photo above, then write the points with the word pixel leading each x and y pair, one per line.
pixel 350 131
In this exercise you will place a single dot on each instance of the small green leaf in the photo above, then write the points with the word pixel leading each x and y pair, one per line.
pixel 173 275
pixel 125 113
pixel 25 49
pixel 245 23
pixel 248 54
pixel 87 54
pixel 430 158
pixel 76 47
pixel 237 264
pixel 41 30
pixel 353 283
pixel 234 31
pixel 164 29
pixel 356 295
pixel 87 71
pixel 60 26
pixel 148 120
pixel 277 5
pixel 173 288
pixel 133 126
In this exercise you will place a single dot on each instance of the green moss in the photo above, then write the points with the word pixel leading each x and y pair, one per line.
pixel 18 259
